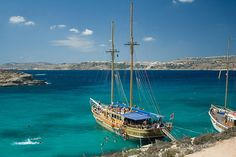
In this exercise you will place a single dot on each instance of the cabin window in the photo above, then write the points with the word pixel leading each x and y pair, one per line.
pixel 234 122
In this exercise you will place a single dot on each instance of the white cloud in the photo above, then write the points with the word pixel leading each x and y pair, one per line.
pixel 53 27
pixel 16 19
pixel 29 23
pixel 57 26
pixel 74 30
pixel 20 20
pixel 61 26
pixel 147 39
pixel 75 42
pixel 87 32
pixel 183 1
pixel 102 45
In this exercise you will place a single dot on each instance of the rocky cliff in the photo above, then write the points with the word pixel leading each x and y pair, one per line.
pixel 15 78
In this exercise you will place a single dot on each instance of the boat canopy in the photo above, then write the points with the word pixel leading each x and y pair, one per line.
pixel 140 115
pixel 137 116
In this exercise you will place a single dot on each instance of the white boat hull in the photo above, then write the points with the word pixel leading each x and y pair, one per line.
pixel 215 125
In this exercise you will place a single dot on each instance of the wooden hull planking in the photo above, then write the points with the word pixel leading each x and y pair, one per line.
pixel 131 132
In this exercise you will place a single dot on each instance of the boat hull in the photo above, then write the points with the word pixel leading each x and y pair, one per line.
pixel 130 132
pixel 217 119
pixel 216 124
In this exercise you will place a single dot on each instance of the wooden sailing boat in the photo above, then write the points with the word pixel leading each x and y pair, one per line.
pixel 222 117
pixel 126 120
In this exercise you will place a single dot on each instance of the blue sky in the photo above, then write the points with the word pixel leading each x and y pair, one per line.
pixel 79 30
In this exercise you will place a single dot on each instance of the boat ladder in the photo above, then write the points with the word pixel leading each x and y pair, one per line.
pixel 167 133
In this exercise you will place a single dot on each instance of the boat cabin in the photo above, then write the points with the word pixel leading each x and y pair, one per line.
pixel 230 119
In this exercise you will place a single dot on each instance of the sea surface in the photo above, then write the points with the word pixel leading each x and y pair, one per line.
pixel 54 120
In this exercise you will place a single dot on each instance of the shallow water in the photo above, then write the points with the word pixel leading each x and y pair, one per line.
pixel 56 118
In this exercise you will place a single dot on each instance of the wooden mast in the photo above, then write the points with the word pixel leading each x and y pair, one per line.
pixel 227 73
pixel 112 51
pixel 131 43
pixel 131 55
pixel 112 60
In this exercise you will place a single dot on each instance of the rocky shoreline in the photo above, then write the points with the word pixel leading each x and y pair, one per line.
pixel 180 148
pixel 10 78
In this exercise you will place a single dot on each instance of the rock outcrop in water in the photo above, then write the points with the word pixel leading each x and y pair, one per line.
pixel 14 78
pixel 178 149
pixel 194 63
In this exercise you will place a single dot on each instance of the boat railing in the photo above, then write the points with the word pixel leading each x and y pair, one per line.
pixel 215 106
pixel 145 126
pixel 93 102
pixel 221 108
pixel 119 110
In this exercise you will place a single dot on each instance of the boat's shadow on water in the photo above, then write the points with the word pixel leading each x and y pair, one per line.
pixel 18 133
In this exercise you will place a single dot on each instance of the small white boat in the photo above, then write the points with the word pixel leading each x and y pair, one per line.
pixel 223 118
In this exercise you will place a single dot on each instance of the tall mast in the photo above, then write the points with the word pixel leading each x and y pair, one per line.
pixel 131 55
pixel 131 43
pixel 112 61
pixel 227 72
pixel 112 51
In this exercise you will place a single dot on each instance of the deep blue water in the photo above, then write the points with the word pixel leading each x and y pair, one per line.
pixel 59 113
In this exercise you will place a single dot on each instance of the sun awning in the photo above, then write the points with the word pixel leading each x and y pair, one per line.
pixel 137 116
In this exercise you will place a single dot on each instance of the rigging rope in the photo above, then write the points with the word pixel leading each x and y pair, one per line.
pixel 139 91
pixel 187 130
pixel 120 87
pixel 142 76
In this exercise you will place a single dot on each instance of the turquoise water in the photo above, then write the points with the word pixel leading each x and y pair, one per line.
pixel 59 116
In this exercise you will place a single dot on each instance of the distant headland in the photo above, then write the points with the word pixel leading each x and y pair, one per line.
pixel 10 78
pixel 190 63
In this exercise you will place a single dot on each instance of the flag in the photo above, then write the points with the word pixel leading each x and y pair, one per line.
pixel 172 115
